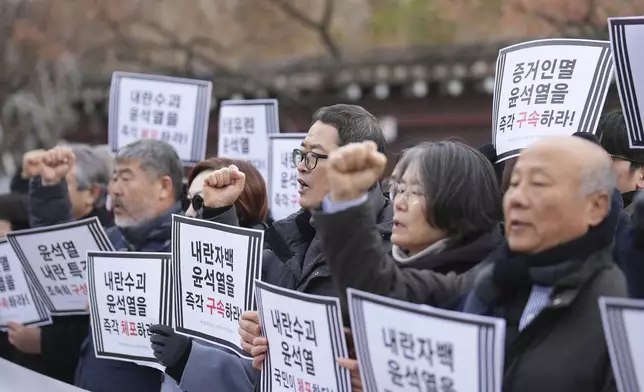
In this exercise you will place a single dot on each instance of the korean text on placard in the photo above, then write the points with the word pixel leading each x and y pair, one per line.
pixel 62 261
pixel 236 133
pixel 213 267
pixel 538 83
pixel 154 115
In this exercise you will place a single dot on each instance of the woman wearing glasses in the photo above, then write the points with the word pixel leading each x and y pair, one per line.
pixel 447 207
pixel 252 204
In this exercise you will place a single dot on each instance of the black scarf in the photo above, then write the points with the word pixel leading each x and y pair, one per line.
pixel 515 272
pixel 156 229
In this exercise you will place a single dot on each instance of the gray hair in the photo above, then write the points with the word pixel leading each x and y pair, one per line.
pixel 599 177
pixel 105 153
pixel 157 159
pixel 90 170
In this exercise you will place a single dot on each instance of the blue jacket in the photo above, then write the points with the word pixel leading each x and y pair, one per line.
pixel 51 205
pixel 105 375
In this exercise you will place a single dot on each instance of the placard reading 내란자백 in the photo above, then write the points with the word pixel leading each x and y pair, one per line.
pixel 402 346
pixel 215 267
pixel 545 88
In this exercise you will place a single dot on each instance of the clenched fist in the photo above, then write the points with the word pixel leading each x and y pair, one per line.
pixel 353 169
pixel 31 163
pixel 222 187
pixel 56 163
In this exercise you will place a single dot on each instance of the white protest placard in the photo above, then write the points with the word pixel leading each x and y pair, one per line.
pixel 545 88
pixel 623 321
pixel 18 299
pixel 54 257
pixel 402 346
pixel 244 126
pixel 627 42
pixel 283 185
pixel 215 267
pixel 128 293
pixel 175 110
pixel 306 337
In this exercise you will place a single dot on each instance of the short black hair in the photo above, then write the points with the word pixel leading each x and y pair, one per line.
pixel 354 124
pixel 613 136
pixel 461 189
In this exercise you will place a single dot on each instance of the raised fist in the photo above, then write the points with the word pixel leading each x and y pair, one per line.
pixel 31 163
pixel 222 187
pixel 56 163
pixel 353 169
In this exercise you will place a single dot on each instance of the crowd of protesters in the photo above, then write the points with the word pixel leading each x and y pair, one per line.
pixel 535 240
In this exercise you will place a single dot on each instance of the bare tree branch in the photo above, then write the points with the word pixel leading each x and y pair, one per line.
pixel 192 50
pixel 322 28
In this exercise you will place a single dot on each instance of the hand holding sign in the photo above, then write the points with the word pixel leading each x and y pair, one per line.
pixel 25 339
pixel 222 187
pixel 31 163
pixel 354 370
pixel 169 347
pixel 353 169
pixel 56 163
pixel 251 341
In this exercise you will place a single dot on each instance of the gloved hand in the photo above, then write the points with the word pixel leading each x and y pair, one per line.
pixel 169 347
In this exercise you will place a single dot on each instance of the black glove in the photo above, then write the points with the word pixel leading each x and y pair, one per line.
pixel 170 349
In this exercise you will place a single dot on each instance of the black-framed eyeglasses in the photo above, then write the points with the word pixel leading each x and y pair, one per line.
pixel 310 158
pixel 196 202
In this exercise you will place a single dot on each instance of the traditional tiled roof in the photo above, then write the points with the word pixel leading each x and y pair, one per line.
pixel 379 65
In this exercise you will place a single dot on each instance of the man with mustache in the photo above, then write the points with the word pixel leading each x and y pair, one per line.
pixel 145 190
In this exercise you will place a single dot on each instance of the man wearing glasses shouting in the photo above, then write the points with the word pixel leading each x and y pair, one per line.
pixel 292 256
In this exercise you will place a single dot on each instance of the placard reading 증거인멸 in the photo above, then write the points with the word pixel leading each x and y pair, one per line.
pixel 283 185
pixel 215 267
pixel 244 126
pixel 626 37
pixel 128 293
pixel 402 346
pixel 622 319
pixel 546 88
pixel 306 337
pixel 54 257
pixel 19 301
pixel 175 110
